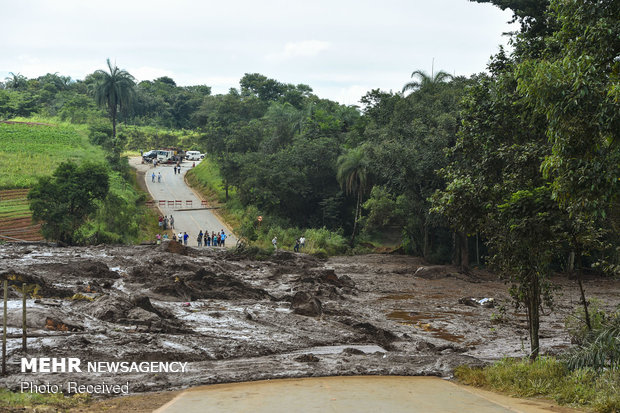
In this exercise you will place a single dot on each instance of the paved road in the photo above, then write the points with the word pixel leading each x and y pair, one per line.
pixel 371 394
pixel 190 219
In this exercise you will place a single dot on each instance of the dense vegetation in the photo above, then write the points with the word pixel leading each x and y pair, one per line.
pixel 587 375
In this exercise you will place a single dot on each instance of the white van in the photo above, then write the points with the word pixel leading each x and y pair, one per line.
pixel 164 156
pixel 193 155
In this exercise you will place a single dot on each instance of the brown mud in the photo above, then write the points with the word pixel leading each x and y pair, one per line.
pixel 233 318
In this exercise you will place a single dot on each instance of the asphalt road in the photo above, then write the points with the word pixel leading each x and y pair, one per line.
pixel 370 394
pixel 190 217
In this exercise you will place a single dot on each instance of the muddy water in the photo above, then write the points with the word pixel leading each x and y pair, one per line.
pixel 348 394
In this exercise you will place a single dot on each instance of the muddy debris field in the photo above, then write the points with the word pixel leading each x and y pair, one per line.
pixel 234 318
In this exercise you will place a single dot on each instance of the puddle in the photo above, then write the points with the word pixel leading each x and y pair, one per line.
pixel 417 320
pixel 368 349
pixel 413 317
pixel 399 297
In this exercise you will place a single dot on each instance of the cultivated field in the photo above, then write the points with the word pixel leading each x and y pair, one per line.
pixel 28 151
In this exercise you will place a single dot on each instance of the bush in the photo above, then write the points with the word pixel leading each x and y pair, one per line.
pixel 576 322
pixel 548 377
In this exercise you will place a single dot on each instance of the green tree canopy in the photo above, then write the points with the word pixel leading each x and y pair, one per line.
pixel 64 200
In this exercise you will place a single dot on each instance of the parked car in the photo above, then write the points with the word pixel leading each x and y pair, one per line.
pixel 148 156
pixel 193 155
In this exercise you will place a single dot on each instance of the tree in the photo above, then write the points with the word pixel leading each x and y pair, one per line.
pixel 425 81
pixel 114 90
pixel 353 176
pixel 576 85
pixel 64 200
pixel 529 13
pixel 495 187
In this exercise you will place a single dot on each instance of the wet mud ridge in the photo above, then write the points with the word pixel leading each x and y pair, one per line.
pixel 235 318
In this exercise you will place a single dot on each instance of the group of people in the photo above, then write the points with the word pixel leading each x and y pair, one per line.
pixel 182 238
pixel 165 222
pixel 299 243
pixel 158 177
pixel 177 168
pixel 215 239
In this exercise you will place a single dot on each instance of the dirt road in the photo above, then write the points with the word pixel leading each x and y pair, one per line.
pixel 189 214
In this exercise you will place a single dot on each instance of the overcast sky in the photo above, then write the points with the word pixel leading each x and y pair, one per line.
pixel 340 48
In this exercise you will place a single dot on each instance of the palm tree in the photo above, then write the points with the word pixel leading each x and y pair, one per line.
pixel 425 81
pixel 114 90
pixel 353 169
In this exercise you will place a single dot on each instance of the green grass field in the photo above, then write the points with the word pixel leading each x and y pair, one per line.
pixel 28 152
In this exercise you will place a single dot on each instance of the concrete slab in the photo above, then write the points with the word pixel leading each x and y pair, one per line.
pixel 373 394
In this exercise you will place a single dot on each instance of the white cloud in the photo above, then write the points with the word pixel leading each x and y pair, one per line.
pixel 307 48
pixel 350 95
pixel 355 47
pixel 149 73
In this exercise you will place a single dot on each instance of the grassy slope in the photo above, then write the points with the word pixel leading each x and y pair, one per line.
pixel 548 377
pixel 28 152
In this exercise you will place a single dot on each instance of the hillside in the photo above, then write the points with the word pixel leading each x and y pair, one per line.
pixel 30 150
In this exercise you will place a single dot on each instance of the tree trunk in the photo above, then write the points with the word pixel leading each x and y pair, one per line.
pixel 455 250
pixel 357 209
pixel 464 262
pixel 584 302
pixel 425 248
pixel 113 113
pixel 533 311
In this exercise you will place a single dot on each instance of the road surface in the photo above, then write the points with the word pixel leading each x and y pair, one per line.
pixel 190 217
pixel 373 394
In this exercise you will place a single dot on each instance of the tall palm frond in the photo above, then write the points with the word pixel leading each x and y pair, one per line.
pixel 424 81
pixel 114 90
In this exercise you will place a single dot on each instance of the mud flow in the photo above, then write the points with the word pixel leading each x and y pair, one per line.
pixel 234 318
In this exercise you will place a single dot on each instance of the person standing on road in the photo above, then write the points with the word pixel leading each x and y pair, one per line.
pixel 185 238
pixel 165 223
pixel 180 237
pixel 199 239
pixel 171 222
pixel 274 241
pixel 175 169
pixel 153 177
pixel 206 238
pixel 159 177
pixel 223 238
